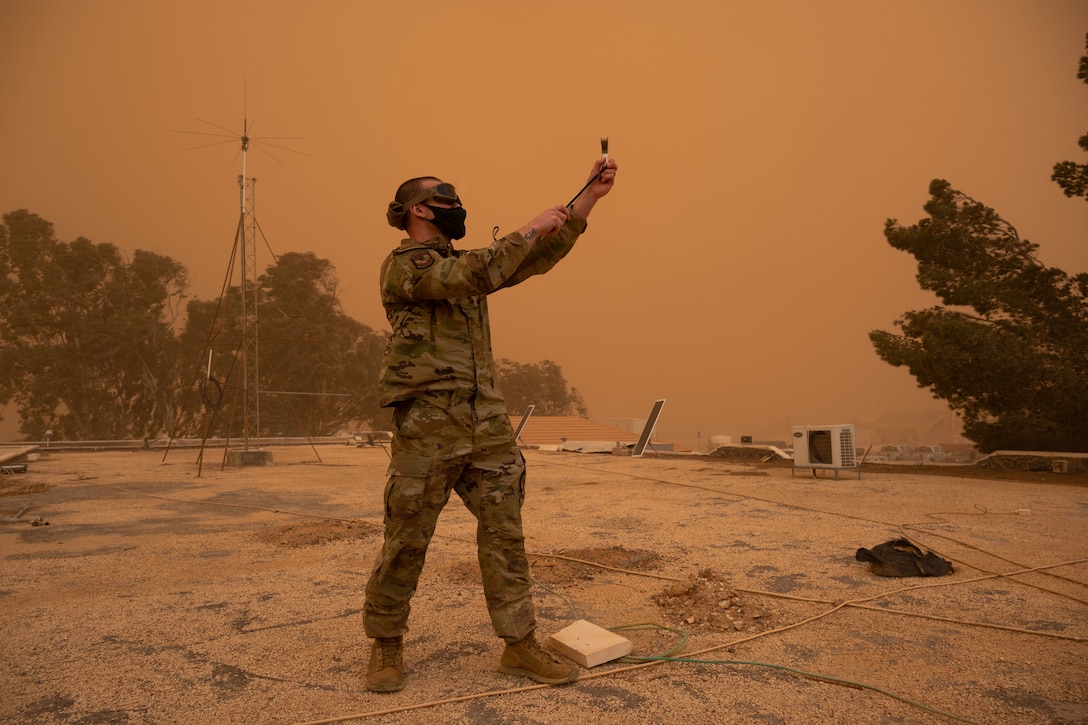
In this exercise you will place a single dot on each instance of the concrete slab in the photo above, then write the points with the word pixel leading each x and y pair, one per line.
pixel 590 645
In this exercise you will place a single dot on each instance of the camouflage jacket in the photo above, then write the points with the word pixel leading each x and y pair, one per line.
pixel 435 297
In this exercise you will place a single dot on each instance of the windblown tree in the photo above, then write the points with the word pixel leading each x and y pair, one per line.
pixel 318 368
pixel 1012 357
pixel 86 336
pixel 1009 350
pixel 541 384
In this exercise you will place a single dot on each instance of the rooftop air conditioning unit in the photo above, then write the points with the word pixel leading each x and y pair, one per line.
pixel 829 447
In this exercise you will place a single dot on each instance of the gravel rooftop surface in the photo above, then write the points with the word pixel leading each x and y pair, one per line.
pixel 158 591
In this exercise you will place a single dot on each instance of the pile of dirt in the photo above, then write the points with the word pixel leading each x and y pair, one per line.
pixel 707 603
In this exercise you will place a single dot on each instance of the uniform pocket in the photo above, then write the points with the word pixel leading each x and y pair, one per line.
pixel 410 465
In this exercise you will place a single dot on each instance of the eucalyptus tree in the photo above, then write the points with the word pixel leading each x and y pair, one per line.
pixel 317 367
pixel 87 344
pixel 540 384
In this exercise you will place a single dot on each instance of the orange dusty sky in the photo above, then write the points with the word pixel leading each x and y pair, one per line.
pixel 738 265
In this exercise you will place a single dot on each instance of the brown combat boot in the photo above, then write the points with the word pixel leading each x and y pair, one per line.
pixel 386 670
pixel 527 659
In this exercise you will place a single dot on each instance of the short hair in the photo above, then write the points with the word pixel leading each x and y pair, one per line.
pixel 411 188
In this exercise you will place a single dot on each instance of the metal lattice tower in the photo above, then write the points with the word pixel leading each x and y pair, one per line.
pixel 245 244
pixel 247 229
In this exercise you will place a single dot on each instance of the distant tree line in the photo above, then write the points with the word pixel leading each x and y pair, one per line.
pixel 1009 349
pixel 539 384
pixel 95 345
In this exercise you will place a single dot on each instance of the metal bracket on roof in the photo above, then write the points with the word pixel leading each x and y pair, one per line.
pixel 524 420
pixel 648 429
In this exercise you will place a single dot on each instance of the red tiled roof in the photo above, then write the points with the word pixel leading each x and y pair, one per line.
pixel 551 430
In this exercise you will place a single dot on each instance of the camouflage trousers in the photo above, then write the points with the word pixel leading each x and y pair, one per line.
pixel 434 452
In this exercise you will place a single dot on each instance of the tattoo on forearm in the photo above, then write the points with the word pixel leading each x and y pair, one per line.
pixel 530 235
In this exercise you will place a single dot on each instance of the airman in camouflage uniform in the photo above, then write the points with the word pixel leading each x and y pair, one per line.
pixel 452 432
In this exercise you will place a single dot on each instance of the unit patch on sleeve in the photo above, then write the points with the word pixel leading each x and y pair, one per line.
pixel 422 260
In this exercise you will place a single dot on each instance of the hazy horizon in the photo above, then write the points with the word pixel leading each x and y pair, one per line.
pixel 738 266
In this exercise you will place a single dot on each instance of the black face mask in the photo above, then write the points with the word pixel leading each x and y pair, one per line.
pixel 450 222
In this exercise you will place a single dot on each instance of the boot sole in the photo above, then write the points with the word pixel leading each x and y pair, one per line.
pixel 385 688
pixel 521 672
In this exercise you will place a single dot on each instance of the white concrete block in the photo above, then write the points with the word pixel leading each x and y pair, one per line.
pixel 590 645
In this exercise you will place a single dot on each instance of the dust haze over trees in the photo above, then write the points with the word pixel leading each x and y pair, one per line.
pixel 98 346
pixel 1009 350
pixel 86 336
pixel 95 346
pixel 324 363
pixel 318 367
pixel 541 384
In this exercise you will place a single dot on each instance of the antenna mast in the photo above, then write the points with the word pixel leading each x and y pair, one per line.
pixel 245 246
pixel 247 241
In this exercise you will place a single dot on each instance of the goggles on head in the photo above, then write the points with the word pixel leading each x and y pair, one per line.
pixel 443 193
